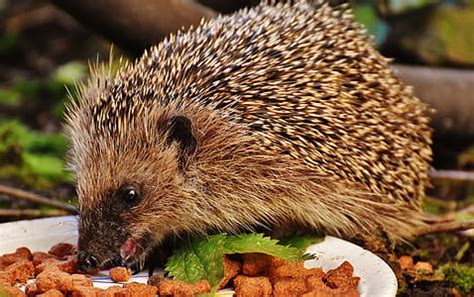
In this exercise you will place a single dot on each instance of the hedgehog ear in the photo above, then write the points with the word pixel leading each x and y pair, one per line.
pixel 181 131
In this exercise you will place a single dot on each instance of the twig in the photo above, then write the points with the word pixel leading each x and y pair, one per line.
pixel 469 210
pixel 32 213
pixel 455 175
pixel 446 227
pixel 20 194
pixel 449 91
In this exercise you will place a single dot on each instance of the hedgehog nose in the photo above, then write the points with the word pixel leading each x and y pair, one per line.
pixel 87 262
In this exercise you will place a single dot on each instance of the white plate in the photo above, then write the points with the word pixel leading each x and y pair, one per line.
pixel 376 277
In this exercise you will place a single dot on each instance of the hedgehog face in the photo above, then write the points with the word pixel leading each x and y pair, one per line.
pixel 132 196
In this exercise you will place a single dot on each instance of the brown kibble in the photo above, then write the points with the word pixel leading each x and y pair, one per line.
pixel 18 272
pixel 53 278
pixel 317 288
pixel 247 286
pixel 61 250
pixel 24 253
pixel 315 282
pixel 115 291
pixel 68 264
pixel 406 262
pixel 39 257
pixel 292 270
pixel 316 272
pixel 51 293
pixel 80 280
pixel 20 254
pixel 141 290
pixel 277 262
pixel 201 287
pixel 342 277
pixel 51 268
pixel 255 264
pixel 288 287
pixel 328 292
pixel 178 288
pixel 424 267
pixel 231 269
pixel 11 291
pixel 154 280
pixel 455 292
pixel 91 272
pixel 338 282
pixel 6 278
pixel 120 274
pixel 86 292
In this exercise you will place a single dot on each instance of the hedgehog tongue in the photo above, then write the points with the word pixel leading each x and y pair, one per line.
pixel 128 249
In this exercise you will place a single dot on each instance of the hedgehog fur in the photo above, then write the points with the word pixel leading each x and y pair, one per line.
pixel 279 116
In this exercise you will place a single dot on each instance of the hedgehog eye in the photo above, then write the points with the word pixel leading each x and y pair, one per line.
pixel 129 195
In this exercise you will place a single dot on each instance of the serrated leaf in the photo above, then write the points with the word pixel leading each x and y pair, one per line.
pixel 201 259
pixel 302 240
pixel 257 243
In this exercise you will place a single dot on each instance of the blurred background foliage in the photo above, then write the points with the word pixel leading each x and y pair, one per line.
pixel 422 31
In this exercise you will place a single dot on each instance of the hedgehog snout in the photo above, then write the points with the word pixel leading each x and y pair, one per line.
pixel 87 262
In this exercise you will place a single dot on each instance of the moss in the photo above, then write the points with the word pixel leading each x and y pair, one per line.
pixel 432 208
pixel 460 276
pixel 9 98
pixel 34 158
pixel 454 27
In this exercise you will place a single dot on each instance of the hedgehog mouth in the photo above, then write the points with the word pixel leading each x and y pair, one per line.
pixel 131 254
pixel 135 263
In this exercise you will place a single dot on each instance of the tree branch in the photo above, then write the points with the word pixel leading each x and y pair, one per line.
pixel 446 227
pixel 448 91
pixel 20 194
pixel 136 24
pixel 453 175
pixel 32 213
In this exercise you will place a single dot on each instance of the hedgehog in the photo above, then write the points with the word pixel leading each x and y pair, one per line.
pixel 277 117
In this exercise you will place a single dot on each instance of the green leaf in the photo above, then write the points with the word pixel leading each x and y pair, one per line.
pixel 302 240
pixel 203 258
pixel 257 243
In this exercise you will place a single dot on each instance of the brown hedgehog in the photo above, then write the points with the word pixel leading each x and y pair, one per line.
pixel 280 116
